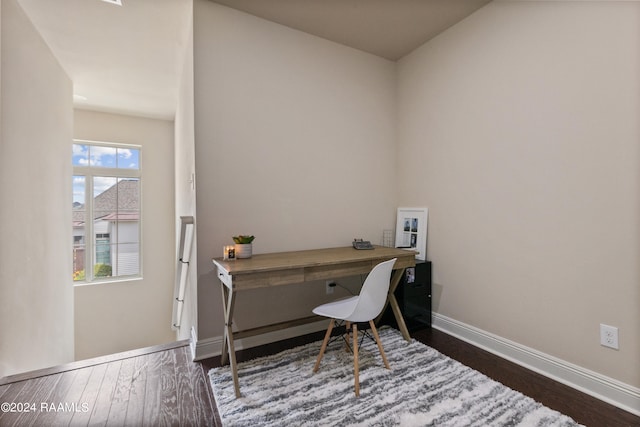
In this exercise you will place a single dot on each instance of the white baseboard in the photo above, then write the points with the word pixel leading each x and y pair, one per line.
pixel 607 389
pixel 210 347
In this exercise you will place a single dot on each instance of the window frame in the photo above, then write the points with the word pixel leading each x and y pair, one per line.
pixel 90 172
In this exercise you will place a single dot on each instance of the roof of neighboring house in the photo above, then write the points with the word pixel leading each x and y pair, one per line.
pixel 121 216
pixel 118 202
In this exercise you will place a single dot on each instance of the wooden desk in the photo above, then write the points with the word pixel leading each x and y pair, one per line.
pixel 285 268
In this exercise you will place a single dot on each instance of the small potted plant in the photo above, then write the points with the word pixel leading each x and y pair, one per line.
pixel 244 246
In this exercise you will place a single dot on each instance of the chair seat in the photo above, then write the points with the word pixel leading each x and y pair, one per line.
pixel 340 309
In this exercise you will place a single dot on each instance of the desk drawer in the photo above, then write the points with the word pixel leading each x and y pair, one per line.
pixel 225 278
pixel 334 271
pixel 268 278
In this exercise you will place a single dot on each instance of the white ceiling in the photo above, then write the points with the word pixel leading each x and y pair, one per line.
pixel 387 28
pixel 127 59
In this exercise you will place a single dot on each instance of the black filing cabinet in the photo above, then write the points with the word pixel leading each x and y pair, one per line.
pixel 414 298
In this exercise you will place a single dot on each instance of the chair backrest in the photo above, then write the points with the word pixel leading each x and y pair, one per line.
pixel 373 294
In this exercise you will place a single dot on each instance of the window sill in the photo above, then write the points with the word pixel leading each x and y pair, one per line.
pixel 108 281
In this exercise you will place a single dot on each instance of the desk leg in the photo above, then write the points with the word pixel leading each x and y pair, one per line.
pixel 228 301
pixel 391 300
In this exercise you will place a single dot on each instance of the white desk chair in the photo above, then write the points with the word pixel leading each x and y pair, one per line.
pixel 361 308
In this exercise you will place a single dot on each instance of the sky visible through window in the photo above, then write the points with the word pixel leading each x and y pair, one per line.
pixel 101 157
pixel 106 211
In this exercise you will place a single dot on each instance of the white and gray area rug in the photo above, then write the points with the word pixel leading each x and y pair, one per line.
pixel 423 388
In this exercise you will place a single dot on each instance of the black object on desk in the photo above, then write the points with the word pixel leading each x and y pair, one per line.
pixel 414 298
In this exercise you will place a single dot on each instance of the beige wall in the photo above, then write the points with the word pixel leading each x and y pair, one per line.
pixel 119 316
pixel 36 295
pixel 185 184
pixel 519 129
pixel 294 143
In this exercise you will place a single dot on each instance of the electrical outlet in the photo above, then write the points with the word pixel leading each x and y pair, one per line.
pixel 609 336
pixel 329 285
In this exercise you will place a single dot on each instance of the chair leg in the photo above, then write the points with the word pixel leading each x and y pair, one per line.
pixel 348 334
pixel 377 337
pixel 324 345
pixel 356 372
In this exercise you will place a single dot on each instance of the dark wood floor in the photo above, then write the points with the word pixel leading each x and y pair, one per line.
pixel 160 386
pixel 149 387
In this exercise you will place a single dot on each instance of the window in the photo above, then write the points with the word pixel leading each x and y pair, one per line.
pixel 106 211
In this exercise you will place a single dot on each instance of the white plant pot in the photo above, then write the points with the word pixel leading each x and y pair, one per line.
pixel 244 250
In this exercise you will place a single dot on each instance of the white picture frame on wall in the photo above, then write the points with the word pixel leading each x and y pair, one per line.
pixel 411 230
